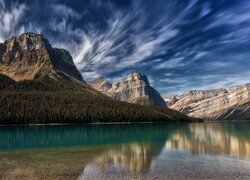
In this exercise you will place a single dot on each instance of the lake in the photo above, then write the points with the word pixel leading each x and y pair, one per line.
pixel 126 151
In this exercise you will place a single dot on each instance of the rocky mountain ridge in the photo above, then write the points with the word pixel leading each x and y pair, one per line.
pixel 101 85
pixel 41 84
pixel 134 88
pixel 219 104
pixel 28 55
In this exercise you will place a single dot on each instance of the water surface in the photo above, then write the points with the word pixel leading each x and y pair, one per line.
pixel 130 151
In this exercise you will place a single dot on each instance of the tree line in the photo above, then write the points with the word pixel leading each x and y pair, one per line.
pixel 51 101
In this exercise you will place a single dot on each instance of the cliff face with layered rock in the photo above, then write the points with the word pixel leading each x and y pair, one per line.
pixel 101 85
pixel 134 88
pixel 25 56
pixel 220 104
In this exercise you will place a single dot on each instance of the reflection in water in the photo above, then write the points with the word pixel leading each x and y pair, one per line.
pixel 132 158
pixel 213 139
pixel 27 137
pixel 220 139
pixel 136 157
pixel 145 150
pixel 69 149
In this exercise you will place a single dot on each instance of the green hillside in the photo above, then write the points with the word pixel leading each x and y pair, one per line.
pixel 46 100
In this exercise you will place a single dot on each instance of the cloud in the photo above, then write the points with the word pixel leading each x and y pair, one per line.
pixel 216 81
pixel 65 11
pixel 172 63
pixel 10 19
pixel 200 54
pixel 127 41
pixel 232 16
pixel 205 9
pixel 93 75
pixel 178 44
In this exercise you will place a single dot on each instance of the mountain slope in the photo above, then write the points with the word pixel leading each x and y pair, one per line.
pixel 25 56
pixel 40 84
pixel 134 88
pixel 239 112
pixel 53 101
pixel 220 104
pixel 101 85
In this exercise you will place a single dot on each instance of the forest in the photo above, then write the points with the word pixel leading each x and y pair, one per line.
pixel 45 100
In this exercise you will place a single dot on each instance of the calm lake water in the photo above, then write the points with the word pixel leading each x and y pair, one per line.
pixel 144 151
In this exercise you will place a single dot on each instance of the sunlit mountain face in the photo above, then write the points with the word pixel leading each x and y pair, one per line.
pixel 180 45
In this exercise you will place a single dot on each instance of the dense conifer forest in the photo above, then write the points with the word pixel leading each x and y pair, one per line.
pixel 46 100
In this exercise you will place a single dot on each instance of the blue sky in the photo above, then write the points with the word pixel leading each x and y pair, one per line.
pixel 180 45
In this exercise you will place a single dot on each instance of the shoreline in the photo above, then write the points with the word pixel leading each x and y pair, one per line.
pixel 127 123
pixel 226 121
pixel 104 123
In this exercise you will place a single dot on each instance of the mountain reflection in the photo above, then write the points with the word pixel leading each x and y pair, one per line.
pixel 222 139
pixel 230 139
pixel 89 151
pixel 136 157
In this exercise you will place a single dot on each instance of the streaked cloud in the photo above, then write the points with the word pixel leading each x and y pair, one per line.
pixel 180 45
pixel 10 18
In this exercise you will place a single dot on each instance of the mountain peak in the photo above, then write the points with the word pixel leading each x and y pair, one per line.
pixel 136 73
pixel 217 104
pixel 28 41
pixel 100 79
pixel 30 54
pixel 30 35
pixel 134 88
pixel 137 76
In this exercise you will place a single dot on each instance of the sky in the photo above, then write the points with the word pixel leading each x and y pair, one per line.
pixel 181 45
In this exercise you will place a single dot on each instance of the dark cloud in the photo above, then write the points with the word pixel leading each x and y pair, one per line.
pixel 180 45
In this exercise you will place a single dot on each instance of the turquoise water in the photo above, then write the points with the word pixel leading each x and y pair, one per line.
pixel 128 151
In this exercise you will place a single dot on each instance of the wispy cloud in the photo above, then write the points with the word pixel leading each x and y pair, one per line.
pixel 9 20
pixel 123 44
pixel 178 44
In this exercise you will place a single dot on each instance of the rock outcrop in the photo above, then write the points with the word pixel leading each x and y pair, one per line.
pixel 220 104
pixel 25 56
pixel 171 99
pixel 101 85
pixel 134 88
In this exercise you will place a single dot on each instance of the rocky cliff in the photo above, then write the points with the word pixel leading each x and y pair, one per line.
pixel 220 104
pixel 134 88
pixel 101 85
pixel 25 56
pixel 40 84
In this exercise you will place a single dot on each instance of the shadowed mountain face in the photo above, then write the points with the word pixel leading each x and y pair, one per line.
pixel 25 56
pixel 134 88
pixel 219 104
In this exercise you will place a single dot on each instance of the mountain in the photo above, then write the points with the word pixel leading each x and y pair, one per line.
pixel 134 88
pixel 41 84
pixel 219 104
pixel 29 55
pixel 101 85
pixel 178 101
